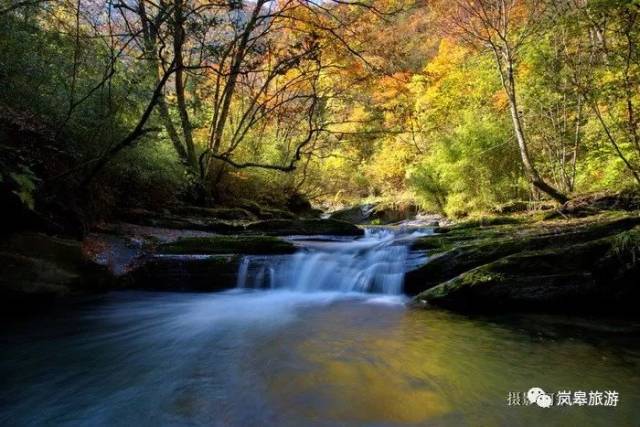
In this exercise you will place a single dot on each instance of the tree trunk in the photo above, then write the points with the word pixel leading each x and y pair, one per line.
pixel 534 177
pixel 163 109
pixel 229 88
pixel 178 42
pixel 149 33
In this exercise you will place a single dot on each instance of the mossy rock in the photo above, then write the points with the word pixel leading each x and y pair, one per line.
pixel 249 205
pixel 64 252
pixel 275 213
pixel 463 253
pixel 484 221
pixel 304 227
pixel 375 213
pixel 594 276
pixel 152 219
pixel 595 203
pixel 514 206
pixel 231 214
pixel 441 242
pixel 38 268
pixel 34 277
pixel 263 211
pixel 228 245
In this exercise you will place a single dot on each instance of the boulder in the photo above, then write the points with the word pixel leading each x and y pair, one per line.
pixel 375 213
pixel 388 214
pixel 300 205
pixel 359 214
pixel 29 277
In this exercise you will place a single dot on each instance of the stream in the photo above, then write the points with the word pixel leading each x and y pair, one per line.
pixel 322 337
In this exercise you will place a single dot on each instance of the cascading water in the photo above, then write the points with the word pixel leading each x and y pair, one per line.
pixel 374 263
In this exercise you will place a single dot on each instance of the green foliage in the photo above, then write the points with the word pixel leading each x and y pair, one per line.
pixel 627 245
pixel 148 175
pixel 26 186
pixel 68 115
pixel 473 168
pixel 17 177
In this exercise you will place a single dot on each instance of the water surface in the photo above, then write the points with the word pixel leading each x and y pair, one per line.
pixel 319 338
pixel 287 358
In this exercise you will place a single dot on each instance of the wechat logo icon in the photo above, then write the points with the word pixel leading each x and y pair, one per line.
pixel 539 397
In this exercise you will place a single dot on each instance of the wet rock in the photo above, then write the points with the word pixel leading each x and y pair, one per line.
pixel 39 268
pixel 388 214
pixel 466 249
pixel 300 205
pixel 231 214
pixel 358 214
pixel 306 227
pixel 262 211
pixel 153 219
pixel 228 245
pixel 374 213
pixel 590 204
pixel 185 273
pixel 595 276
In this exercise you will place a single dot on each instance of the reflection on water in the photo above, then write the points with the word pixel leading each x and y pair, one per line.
pixel 275 358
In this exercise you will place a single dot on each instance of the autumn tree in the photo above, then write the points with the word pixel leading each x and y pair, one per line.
pixel 503 27
pixel 603 54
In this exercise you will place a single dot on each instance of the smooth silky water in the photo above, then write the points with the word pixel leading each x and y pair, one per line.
pixel 319 338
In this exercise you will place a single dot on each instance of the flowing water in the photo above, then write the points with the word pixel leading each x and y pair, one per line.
pixel 308 348
pixel 375 263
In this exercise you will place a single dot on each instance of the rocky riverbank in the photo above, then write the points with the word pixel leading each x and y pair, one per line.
pixel 589 264
pixel 195 249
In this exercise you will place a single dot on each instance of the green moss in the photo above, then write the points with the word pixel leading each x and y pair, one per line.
pixel 485 221
pixel 475 277
pixel 227 245
pixel 231 214
pixel 546 245
pixel 433 244
pixel 275 213
pixel 456 237
pixel 304 227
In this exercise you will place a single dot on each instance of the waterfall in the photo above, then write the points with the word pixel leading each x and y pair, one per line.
pixel 374 263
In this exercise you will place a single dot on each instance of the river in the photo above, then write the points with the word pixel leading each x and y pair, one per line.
pixel 319 338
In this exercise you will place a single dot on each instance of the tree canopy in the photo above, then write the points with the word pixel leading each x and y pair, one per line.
pixel 454 106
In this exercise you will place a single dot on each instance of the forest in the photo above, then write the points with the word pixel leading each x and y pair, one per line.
pixel 457 107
